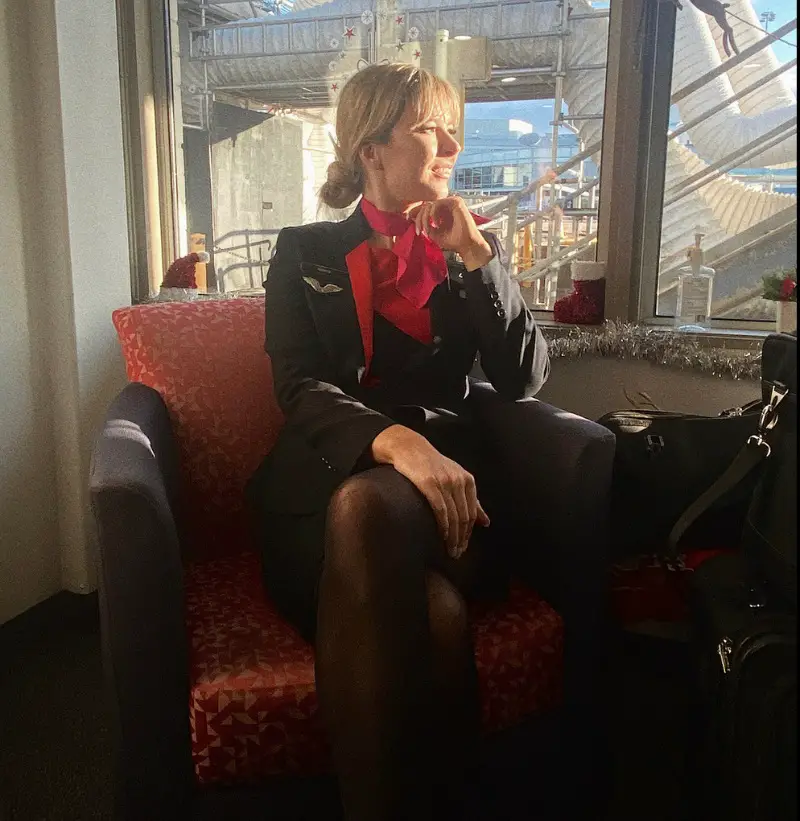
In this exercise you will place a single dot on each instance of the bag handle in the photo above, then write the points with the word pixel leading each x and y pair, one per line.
pixel 755 451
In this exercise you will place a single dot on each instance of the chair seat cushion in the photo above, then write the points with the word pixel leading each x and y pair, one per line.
pixel 253 704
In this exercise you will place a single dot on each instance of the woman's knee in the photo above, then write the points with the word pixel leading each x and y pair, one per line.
pixel 447 611
pixel 371 521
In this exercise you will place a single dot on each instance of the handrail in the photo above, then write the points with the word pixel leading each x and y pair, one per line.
pixel 734 155
pixel 246 232
pixel 534 185
pixel 541 268
pixel 727 65
pixel 762 146
pixel 738 95
pixel 728 248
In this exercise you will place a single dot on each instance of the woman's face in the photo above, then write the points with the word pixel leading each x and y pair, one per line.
pixel 414 166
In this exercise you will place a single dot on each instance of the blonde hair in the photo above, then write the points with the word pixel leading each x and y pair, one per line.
pixel 370 106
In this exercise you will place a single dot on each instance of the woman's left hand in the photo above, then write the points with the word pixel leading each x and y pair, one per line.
pixel 449 224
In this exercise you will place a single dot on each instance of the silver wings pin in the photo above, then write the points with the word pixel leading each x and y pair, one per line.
pixel 328 288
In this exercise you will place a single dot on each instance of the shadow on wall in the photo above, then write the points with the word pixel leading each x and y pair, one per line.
pixel 592 386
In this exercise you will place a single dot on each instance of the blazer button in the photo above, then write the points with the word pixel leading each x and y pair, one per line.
pixel 437 340
pixel 498 303
pixel 501 313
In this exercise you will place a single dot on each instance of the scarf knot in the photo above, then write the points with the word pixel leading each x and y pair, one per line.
pixel 421 265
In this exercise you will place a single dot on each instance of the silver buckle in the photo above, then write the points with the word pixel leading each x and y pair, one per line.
pixel 760 442
pixel 769 416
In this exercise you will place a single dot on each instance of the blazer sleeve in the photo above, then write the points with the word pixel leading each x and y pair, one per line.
pixel 513 351
pixel 338 426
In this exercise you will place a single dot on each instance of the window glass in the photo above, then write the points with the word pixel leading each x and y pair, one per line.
pixel 256 86
pixel 731 165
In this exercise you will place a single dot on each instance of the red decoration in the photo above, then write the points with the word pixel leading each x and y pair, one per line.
pixel 399 19
pixel 181 274
pixel 417 54
pixel 585 305
pixel 787 289
pixel 334 86
pixel 348 33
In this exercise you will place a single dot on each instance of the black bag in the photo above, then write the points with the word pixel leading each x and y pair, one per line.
pixel 742 745
pixel 769 536
pixel 663 462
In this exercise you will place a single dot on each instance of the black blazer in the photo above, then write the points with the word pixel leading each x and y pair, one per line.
pixel 319 336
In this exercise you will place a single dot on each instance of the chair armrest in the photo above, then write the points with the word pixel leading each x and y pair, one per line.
pixel 133 482
pixel 557 467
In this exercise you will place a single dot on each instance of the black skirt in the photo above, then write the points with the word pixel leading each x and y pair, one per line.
pixel 293 545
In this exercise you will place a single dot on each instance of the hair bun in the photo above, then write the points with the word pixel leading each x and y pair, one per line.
pixel 342 187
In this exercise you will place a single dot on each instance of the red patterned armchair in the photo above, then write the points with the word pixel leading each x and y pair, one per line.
pixel 213 693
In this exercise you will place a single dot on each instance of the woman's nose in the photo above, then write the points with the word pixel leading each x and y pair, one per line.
pixel 448 145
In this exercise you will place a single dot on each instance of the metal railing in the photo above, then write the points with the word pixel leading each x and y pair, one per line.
pixel 245 252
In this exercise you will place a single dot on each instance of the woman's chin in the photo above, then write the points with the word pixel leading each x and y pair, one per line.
pixel 437 190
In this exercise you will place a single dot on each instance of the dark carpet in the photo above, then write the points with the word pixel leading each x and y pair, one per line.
pixel 55 745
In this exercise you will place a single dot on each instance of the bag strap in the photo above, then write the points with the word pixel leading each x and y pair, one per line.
pixel 755 451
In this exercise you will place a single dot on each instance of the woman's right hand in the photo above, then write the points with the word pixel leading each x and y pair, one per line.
pixel 449 489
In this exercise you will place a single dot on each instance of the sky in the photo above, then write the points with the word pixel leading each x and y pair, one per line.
pixel 784 11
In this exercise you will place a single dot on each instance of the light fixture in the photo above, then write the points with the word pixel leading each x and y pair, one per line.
pixel 462 37
pixel 508 80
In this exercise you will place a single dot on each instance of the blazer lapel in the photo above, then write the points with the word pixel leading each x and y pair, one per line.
pixel 349 252
pixel 358 266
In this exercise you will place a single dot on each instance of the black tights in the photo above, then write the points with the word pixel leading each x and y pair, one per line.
pixel 395 667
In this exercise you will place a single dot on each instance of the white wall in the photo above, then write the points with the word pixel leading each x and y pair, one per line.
pixel 29 562
pixel 593 386
pixel 64 240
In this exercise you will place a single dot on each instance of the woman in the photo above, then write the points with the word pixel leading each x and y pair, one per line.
pixel 376 500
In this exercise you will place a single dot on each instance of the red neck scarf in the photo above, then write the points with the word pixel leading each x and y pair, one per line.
pixel 421 264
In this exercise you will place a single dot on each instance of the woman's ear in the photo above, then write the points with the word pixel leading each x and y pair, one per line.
pixel 370 157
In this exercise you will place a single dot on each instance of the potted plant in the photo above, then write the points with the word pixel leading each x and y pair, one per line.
pixel 781 287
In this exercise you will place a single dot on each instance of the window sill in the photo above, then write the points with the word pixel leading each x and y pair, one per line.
pixel 719 352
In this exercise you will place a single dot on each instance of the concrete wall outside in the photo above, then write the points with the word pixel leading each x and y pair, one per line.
pixel 259 166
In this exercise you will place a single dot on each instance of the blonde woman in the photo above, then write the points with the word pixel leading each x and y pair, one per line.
pixel 381 505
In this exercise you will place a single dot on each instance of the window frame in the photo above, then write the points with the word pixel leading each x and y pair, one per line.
pixel 658 50
pixel 636 115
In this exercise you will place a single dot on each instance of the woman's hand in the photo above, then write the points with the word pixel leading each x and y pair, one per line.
pixel 449 489
pixel 449 224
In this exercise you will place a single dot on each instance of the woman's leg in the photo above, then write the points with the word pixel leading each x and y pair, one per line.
pixel 391 635
pixel 457 701
pixel 549 476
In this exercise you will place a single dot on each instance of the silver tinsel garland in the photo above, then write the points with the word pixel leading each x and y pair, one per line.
pixel 622 340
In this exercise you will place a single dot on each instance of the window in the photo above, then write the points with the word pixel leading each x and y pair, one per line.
pixel 255 85
pixel 731 154
pixel 695 140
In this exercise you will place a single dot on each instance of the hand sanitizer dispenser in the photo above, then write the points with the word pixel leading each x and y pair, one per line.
pixel 695 284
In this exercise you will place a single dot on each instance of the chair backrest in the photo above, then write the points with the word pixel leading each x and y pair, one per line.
pixel 206 358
